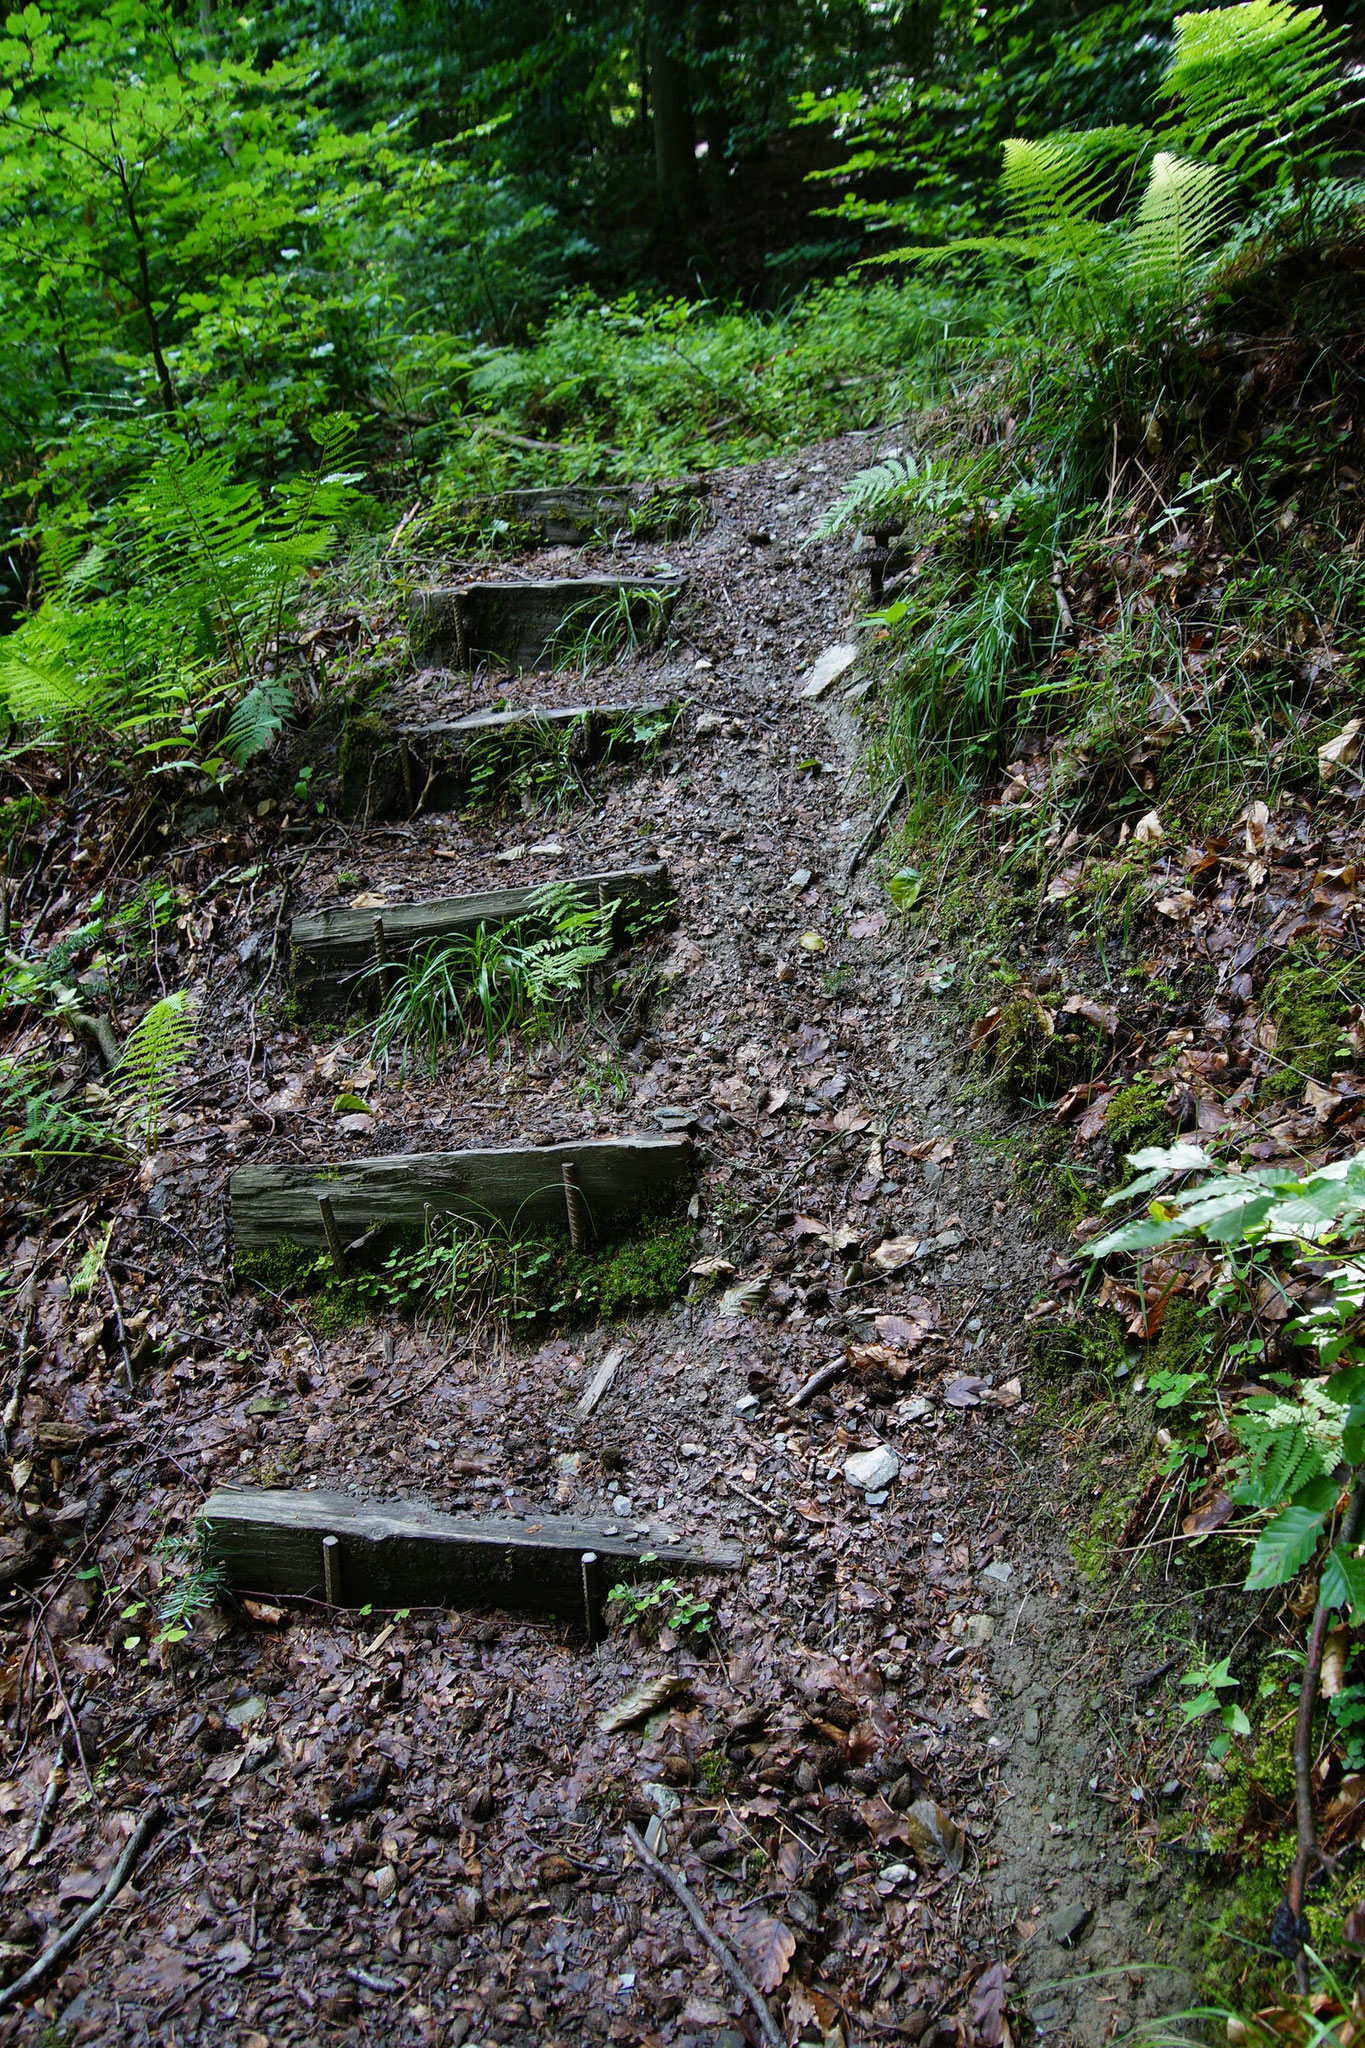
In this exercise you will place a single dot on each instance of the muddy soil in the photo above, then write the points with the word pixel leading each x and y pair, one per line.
pixel 410 1828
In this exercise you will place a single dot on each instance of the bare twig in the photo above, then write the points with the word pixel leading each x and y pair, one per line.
pixel 818 1381
pixel 742 1984
pixel 874 831
pixel 763 1506
pixel 27 1296
pixel 122 1334
pixel 73 1737
pixel 52 1796
pixel 57 1951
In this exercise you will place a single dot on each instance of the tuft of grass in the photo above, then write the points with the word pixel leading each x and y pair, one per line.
pixel 495 979
pixel 602 629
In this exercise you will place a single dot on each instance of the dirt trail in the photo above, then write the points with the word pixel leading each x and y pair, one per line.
pixel 926 1641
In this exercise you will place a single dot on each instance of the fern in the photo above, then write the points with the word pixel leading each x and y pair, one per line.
pixel 1061 185
pixel 1258 83
pixel 257 719
pixel 157 1047
pixel 91 1263
pixel 167 632
pixel 1281 1457
pixel 1180 222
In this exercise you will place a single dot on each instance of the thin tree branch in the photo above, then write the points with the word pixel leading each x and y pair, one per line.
pixel 742 1984
pixel 57 1951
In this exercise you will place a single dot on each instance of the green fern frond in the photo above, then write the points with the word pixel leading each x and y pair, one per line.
pixel 91 1263
pixel 1181 220
pixel 45 688
pixel 1061 184
pixel 1258 82
pixel 257 719
pixel 156 1047
pixel 874 496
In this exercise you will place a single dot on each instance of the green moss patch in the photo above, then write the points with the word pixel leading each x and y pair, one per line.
pixel 468 1270
pixel 1307 1001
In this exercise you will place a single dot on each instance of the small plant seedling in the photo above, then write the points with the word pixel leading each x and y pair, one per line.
pixel 648 1607
pixel 1212 1680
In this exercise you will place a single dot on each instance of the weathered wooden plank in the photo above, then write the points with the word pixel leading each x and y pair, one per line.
pixel 399 1553
pixel 395 772
pixel 568 515
pixel 621 1179
pixel 518 622
pixel 331 950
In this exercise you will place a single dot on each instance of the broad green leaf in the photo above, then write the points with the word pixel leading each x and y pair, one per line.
pixel 1319 1495
pixel 1139 1236
pixel 905 888
pixel 1343 1580
pixel 1284 1548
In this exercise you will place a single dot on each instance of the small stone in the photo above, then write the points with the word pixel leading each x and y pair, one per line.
pixel 979 1629
pixel 1032 1725
pixel 385 1883
pixel 878 1499
pixel 663 1798
pixel 1068 1924
pixel 999 1571
pixel 798 880
pixel 1172 1789
pixel 655 1839
pixel 709 722
pixel 746 1404
pixel 872 1470
pixel 247 1713
pixel 623 1507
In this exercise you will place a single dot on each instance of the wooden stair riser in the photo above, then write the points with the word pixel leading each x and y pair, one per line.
pixel 518 624
pixel 625 1182
pixel 393 772
pixel 399 1553
pixel 332 952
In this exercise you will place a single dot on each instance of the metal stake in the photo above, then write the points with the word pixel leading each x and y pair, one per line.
pixel 331 1569
pixel 592 1596
pixel 576 1207
pixel 405 763
pixel 332 1234
pixel 381 958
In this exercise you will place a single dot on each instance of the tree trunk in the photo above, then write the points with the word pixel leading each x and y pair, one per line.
pixel 675 163
pixel 713 113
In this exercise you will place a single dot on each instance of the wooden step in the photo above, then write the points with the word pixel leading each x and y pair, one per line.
pixel 397 772
pixel 570 515
pixel 398 1553
pixel 331 951
pixel 518 622
pixel 623 1181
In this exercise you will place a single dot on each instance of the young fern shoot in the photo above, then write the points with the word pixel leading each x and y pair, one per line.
pixel 157 1048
